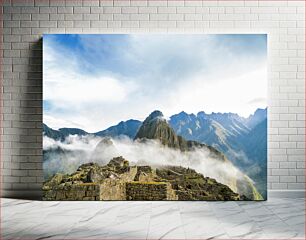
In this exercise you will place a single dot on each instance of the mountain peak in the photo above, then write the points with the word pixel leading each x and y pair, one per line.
pixel 155 114
pixel 259 115
pixel 156 127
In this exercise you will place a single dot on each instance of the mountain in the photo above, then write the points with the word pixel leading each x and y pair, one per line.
pixel 229 133
pixel 256 118
pixel 62 133
pixel 51 133
pixel 72 131
pixel 128 128
pixel 255 147
pixel 242 140
pixel 156 126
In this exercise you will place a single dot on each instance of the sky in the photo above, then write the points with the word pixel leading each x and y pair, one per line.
pixel 95 81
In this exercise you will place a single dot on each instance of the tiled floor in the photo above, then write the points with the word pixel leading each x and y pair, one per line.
pixel 274 219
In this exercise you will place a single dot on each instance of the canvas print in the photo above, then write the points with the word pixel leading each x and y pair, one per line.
pixel 155 117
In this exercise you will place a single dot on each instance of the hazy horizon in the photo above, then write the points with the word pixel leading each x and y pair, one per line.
pixel 141 120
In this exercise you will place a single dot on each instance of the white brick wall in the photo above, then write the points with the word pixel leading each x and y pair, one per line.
pixel 24 21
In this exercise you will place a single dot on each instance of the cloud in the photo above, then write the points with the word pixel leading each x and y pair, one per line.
pixel 100 80
pixel 57 123
pixel 64 82
pixel 257 101
pixel 88 148
pixel 231 94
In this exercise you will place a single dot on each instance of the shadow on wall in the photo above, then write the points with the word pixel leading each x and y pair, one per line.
pixel 30 143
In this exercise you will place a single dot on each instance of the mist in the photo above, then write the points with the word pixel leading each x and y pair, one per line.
pixel 66 156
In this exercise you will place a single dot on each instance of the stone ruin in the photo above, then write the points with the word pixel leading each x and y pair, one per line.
pixel 115 181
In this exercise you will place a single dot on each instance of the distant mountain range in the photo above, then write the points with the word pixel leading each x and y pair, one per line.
pixel 242 140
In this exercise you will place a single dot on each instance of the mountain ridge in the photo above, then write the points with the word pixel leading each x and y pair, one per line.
pixel 236 137
pixel 65 131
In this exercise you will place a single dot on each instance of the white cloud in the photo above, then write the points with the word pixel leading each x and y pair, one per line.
pixel 229 94
pixel 57 123
pixel 93 149
pixel 64 83
pixel 150 72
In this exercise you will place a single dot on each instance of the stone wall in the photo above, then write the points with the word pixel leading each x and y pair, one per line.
pixel 152 191
pixel 145 174
pixel 114 189
pixel 124 188
pixel 77 192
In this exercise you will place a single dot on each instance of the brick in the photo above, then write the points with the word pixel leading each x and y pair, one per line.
pixel 91 3
pixel 185 10
pixel 47 24
pixel 111 10
pixel 167 24
pixel 104 17
pixel 147 9
pixel 296 186
pixel 158 17
pixel 23 3
pixel 29 10
pixel 40 3
pixel 96 10
pixel 274 179
pixel 98 24
pixel 288 179
pixel 57 3
pixel 287 165
pixel 277 186
pixel 189 3
pixel 129 10
pixel 130 24
pixel 166 10
pixel 81 10
pixel 65 24
pixel 138 3
pixel 296 172
pixel 222 24
pixel 159 3
pixel 119 17
pixel 57 17
pixel 21 16
pixel 21 31
pixel 62 10
pixel 191 17
pixel 202 10
pixel 217 10
pixel 74 3
pixel 139 17
pixel 91 16
pixel 48 10
pixel 82 24
pixel 148 24
pixel 40 17
pixel 75 16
